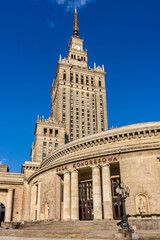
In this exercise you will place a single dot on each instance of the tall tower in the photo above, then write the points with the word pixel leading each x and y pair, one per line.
pixel 78 94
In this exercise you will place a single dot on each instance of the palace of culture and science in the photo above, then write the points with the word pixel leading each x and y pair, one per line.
pixel 76 162
pixel 78 101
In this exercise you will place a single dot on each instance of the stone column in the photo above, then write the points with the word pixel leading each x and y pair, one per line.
pixel 67 197
pixel 8 213
pixel 38 202
pixel 107 194
pixel 74 195
pixel 97 201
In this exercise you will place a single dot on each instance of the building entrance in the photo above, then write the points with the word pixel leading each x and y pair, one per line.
pixel 2 213
pixel 116 200
pixel 85 200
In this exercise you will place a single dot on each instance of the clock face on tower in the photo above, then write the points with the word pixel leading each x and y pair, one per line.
pixel 77 47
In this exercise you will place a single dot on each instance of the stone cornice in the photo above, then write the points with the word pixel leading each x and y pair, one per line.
pixel 12 178
pixel 136 137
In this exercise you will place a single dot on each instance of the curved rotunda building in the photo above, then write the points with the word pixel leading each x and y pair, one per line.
pixel 76 162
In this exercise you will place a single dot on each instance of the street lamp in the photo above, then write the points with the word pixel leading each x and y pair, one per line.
pixel 123 191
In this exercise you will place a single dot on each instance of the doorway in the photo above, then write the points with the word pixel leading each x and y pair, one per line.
pixel 2 213
pixel 116 200
pixel 85 200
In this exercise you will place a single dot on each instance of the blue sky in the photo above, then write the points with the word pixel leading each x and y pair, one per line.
pixel 124 35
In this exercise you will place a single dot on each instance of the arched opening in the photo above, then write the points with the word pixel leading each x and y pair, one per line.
pixel 2 213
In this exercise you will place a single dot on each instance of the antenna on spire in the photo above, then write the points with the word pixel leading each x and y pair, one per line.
pixel 75 30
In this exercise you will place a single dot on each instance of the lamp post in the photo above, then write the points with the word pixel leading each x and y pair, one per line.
pixel 123 191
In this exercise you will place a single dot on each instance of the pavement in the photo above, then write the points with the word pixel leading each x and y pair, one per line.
pixel 20 238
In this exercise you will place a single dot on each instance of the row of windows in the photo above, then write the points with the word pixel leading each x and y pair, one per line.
pixel 50 131
pixel 79 58
pixel 81 79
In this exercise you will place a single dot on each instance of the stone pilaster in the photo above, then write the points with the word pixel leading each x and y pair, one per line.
pixel 67 196
pixel 107 195
pixel 97 201
pixel 38 202
pixel 74 195
pixel 8 214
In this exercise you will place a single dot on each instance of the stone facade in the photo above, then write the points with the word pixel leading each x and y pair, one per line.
pixel 78 180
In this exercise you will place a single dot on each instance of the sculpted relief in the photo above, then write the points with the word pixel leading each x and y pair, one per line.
pixel 142 204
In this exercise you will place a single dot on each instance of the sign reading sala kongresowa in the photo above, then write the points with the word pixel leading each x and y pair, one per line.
pixel 90 162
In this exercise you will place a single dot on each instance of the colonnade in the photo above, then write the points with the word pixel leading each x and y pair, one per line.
pixel 100 194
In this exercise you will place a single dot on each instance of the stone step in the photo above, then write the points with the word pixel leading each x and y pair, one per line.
pixel 58 234
pixel 72 225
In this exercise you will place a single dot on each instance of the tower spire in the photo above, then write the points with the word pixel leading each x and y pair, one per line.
pixel 76 30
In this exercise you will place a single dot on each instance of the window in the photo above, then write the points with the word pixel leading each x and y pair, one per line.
pixel 56 133
pixel 64 106
pixel 71 77
pixel 92 82
pixel 64 75
pixel 56 145
pixel 77 122
pixel 45 131
pixel 77 135
pixel 77 93
pixel 44 149
pixel 88 132
pixel 77 131
pixel 83 131
pixel 71 130
pixel 82 110
pixel 71 125
pixel 82 114
pixel 81 79
pixel 64 89
pixel 50 131
pixel 76 78
pixel 87 82
pixel 71 121
pixel 44 154
pixel 99 83
pixel 44 144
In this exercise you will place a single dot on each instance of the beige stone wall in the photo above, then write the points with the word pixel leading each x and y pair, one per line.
pixel 140 172
pixel 49 195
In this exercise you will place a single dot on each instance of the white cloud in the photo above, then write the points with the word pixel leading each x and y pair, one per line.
pixel 0 162
pixel 72 4
pixel 4 159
